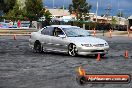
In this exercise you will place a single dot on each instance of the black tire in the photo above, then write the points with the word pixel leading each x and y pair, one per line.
pixel 81 80
pixel 72 50
pixel 37 47
pixel 102 55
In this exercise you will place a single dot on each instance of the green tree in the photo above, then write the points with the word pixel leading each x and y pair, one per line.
pixel 15 11
pixel 113 22
pixel 81 8
pixel 1 4
pixel 7 5
pixel 47 15
pixel 34 9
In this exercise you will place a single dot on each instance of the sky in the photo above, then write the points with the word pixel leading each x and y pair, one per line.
pixel 116 5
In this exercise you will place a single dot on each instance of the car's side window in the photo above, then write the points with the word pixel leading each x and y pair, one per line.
pixel 48 31
pixel 58 31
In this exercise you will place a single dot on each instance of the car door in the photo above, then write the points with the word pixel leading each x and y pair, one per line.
pixel 58 43
pixel 46 35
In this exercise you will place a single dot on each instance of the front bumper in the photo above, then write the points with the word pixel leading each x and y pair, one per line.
pixel 92 50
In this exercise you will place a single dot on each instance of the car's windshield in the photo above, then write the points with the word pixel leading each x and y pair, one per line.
pixel 76 32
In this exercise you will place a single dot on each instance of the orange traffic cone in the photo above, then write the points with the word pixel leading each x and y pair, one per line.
pixel 94 32
pixel 110 33
pixel 126 54
pixel 98 57
pixel 81 71
pixel 129 33
pixel 14 37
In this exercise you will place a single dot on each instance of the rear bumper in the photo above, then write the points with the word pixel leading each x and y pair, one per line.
pixel 31 44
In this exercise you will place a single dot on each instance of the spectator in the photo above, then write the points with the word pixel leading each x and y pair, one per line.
pixel 0 25
pixel 10 24
pixel 30 24
pixel 15 24
pixel 19 24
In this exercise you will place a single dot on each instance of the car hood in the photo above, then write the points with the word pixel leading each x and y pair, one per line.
pixel 86 40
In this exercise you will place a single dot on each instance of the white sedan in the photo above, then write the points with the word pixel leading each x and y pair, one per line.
pixel 67 39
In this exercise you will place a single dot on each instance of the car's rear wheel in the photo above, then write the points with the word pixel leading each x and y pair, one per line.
pixel 37 47
pixel 102 55
pixel 72 50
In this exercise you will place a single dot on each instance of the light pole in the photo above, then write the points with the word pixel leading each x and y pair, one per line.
pixel 97 11
pixel 63 5
pixel 53 3
pixel 120 15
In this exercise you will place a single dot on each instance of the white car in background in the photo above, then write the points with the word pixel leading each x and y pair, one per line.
pixel 67 39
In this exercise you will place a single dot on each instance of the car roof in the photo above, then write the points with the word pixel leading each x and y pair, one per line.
pixel 63 26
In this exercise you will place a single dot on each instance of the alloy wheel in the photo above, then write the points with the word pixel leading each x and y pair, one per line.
pixel 72 50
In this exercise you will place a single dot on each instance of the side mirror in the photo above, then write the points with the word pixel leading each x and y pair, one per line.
pixel 62 36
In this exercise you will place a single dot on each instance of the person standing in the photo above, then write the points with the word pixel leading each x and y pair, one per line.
pixel 19 24
pixel 0 25
pixel 10 24
pixel 15 24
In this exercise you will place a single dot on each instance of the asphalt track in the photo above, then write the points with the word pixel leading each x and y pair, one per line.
pixel 21 68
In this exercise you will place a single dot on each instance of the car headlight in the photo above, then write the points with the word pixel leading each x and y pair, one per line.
pixel 87 45
pixel 106 44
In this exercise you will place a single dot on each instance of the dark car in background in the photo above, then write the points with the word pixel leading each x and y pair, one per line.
pixel 120 27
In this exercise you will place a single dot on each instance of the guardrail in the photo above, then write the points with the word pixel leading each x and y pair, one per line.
pixel 8 31
pixel 25 31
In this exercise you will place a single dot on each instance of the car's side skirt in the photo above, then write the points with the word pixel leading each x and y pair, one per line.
pixel 55 47
pixel 54 50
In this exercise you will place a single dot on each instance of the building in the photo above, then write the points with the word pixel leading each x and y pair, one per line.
pixel 130 21
pixel 120 20
pixel 61 14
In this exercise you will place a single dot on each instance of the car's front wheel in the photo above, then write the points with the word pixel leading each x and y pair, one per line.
pixel 72 50
pixel 37 47
pixel 81 80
